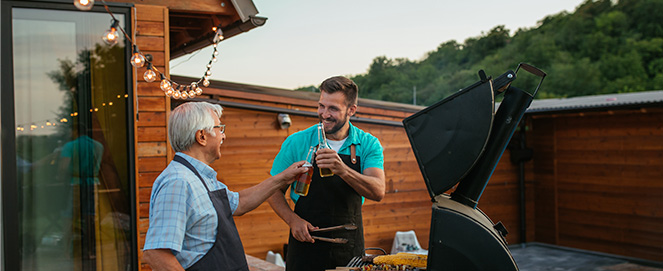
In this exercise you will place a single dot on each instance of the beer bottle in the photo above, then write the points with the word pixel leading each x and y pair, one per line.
pixel 322 144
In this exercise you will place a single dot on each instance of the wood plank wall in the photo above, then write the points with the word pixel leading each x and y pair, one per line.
pixel 152 147
pixel 254 139
pixel 599 181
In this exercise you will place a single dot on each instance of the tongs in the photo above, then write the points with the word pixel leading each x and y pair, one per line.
pixel 347 227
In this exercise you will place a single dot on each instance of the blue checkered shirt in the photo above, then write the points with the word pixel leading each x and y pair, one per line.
pixel 182 217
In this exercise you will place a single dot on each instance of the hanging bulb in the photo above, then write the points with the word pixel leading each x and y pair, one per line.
pixel 137 59
pixel 169 92
pixel 218 35
pixel 192 93
pixel 199 91
pixel 176 94
pixel 165 84
pixel 111 35
pixel 149 75
pixel 205 82
pixel 84 4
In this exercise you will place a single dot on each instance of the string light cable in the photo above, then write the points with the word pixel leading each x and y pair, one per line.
pixel 169 87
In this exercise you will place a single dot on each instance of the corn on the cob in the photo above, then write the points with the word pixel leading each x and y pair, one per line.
pixel 402 258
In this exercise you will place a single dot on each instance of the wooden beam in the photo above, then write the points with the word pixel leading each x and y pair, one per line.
pixel 224 7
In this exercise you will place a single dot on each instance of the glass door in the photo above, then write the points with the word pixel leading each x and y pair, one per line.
pixel 72 148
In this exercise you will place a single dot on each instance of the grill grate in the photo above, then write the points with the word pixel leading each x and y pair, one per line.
pixel 357 262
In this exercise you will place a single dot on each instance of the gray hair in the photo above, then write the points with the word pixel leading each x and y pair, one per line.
pixel 187 119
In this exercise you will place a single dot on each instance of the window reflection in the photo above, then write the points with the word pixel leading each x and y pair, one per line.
pixel 71 142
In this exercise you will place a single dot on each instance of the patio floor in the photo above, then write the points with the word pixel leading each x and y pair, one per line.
pixel 541 257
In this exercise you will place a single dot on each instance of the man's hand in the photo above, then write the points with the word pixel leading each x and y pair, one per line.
pixel 300 230
pixel 370 184
pixel 288 175
pixel 328 158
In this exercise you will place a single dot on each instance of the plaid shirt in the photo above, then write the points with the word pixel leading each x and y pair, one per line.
pixel 182 217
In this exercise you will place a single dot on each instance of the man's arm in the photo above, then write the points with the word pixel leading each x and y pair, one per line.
pixel 299 227
pixel 370 185
pixel 252 197
pixel 161 260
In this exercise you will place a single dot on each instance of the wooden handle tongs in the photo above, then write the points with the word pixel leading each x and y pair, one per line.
pixel 347 227
pixel 331 240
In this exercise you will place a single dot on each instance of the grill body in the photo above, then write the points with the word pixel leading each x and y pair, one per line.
pixel 460 140
pixel 464 238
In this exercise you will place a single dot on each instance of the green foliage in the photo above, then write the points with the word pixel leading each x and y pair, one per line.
pixel 602 47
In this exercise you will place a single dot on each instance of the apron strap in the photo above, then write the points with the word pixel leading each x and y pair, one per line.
pixel 190 166
pixel 353 153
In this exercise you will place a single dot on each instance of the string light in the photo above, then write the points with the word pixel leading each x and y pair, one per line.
pixel 45 124
pixel 138 60
pixel 84 4
pixel 111 36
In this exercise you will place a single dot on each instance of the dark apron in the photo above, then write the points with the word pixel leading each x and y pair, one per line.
pixel 330 202
pixel 227 253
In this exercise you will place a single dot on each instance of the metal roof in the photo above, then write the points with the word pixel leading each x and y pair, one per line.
pixel 593 102
pixel 597 102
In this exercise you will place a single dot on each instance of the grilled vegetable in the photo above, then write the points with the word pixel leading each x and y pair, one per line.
pixel 402 258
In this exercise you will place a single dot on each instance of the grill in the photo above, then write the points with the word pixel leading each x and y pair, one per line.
pixel 459 140
pixel 358 261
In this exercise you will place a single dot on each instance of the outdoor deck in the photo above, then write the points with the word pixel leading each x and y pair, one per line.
pixel 541 257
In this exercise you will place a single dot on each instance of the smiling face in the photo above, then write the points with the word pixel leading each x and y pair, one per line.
pixel 334 113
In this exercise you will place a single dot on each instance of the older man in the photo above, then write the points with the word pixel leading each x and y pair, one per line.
pixel 191 224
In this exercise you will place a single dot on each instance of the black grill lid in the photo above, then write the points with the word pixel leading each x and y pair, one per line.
pixel 448 137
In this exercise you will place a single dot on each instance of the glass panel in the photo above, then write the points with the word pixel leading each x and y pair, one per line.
pixel 71 142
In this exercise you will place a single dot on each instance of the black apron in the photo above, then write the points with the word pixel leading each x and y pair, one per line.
pixel 330 202
pixel 227 253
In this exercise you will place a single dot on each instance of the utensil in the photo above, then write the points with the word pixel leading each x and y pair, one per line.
pixel 331 240
pixel 347 227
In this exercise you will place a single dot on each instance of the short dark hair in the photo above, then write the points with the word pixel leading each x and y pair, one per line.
pixel 342 84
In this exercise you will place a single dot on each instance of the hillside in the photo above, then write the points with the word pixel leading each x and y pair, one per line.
pixel 602 47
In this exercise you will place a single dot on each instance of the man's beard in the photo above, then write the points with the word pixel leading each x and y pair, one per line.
pixel 337 126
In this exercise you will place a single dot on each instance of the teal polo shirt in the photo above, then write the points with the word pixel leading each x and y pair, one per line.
pixel 296 146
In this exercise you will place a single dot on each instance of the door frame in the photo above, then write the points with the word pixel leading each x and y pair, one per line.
pixel 10 241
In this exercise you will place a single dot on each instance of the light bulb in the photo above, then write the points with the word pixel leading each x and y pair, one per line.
pixel 165 85
pixel 111 35
pixel 218 36
pixel 176 94
pixel 184 95
pixel 206 82
pixel 199 91
pixel 149 76
pixel 84 4
pixel 137 59
pixel 192 93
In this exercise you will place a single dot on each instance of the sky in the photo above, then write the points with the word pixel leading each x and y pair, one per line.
pixel 304 42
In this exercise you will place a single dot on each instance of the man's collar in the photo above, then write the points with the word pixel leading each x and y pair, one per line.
pixel 202 168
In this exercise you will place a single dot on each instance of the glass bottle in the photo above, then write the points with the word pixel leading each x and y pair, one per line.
pixel 303 180
pixel 322 144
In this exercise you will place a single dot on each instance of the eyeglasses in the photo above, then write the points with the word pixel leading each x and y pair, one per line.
pixel 222 126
